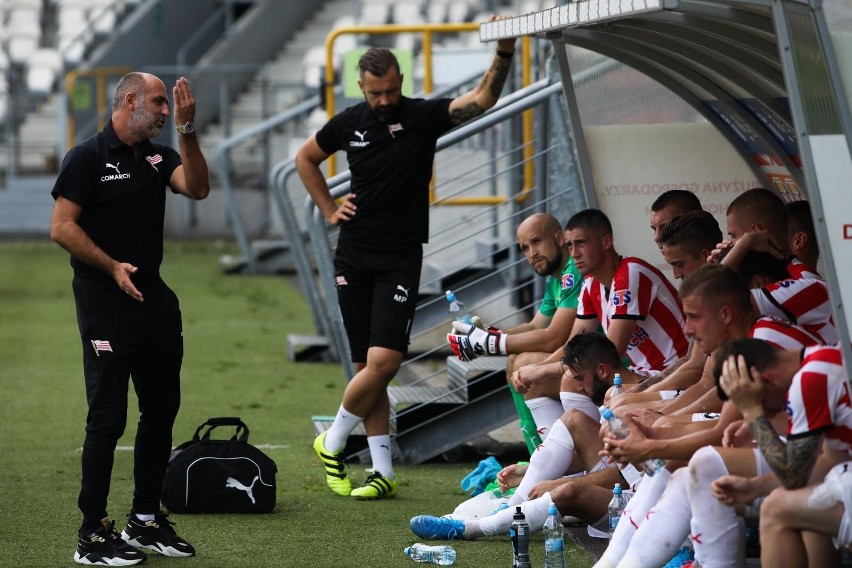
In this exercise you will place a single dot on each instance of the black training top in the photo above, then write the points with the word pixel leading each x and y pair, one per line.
pixel 122 198
pixel 391 165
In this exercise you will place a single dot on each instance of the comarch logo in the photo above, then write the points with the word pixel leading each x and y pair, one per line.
pixel 116 175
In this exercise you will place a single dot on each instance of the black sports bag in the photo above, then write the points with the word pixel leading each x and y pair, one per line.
pixel 219 476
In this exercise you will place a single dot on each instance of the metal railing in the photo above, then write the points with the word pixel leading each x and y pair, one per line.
pixel 509 107
pixel 426 31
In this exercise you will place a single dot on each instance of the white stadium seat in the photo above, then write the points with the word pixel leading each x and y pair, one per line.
pixel 375 12
pixel 313 63
pixel 21 44
pixel 43 67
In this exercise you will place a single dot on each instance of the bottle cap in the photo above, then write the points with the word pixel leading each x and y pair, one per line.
pixel 617 489
pixel 519 515
pixel 606 413
pixel 450 296
pixel 617 379
pixel 551 509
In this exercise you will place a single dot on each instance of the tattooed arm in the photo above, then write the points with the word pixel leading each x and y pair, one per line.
pixel 792 462
pixel 485 94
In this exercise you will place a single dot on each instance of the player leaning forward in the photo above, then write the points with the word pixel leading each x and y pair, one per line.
pixel 389 140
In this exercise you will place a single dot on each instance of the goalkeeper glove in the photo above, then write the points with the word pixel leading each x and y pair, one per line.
pixel 469 342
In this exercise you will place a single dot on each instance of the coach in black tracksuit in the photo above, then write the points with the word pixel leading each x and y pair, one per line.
pixel 390 145
pixel 110 203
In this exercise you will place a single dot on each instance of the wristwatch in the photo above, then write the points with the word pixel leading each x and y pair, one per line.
pixel 187 128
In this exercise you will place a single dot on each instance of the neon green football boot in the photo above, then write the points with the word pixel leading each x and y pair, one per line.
pixel 335 467
pixel 376 487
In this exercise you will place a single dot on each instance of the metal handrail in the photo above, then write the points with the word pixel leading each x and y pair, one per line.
pixel 223 167
pixel 513 104
pixel 278 179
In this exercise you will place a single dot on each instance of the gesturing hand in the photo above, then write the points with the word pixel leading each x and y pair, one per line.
pixel 184 102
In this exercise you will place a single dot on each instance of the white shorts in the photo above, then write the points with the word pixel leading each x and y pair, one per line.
pixel 670 395
pixel 836 488
pixel 705 416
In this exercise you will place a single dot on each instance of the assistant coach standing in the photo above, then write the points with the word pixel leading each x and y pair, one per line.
pixel 110 204
pixel 389 140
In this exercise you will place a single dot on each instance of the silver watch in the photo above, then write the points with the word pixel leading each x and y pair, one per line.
pixel 187 128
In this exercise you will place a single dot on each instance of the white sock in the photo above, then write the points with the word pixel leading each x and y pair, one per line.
pixel 549 461
pixel 581 402
pixel 718 533
pixel 647 495
pixel 499 523
pixel 144 518
pixel 340 429
pixel 381 454
pixel 665 527
pixel 545 411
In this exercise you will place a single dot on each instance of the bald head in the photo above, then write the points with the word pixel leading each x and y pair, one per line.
pixel 544 222
pixel 140 107
pixel 542 241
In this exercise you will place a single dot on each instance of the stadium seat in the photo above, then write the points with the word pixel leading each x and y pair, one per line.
pixel 375 12
pixel 43 67
pixel 407 12
pixel 313 63
pixel 437 11
pixel 103 19
pixel 21 44
pixel 72 46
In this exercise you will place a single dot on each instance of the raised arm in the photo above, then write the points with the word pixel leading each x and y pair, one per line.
pixel 485 94
pixel 191 178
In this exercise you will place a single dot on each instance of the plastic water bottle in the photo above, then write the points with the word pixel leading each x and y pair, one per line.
pixel 554 540
pixel 619 431
pixel 520 534
pixel 457 312
pixel 441 555
pixel 615 508
pixel 617 387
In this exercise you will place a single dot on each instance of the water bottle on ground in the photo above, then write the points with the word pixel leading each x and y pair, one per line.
pixel 615 508
pixel 520 533
pixel 442 555
pixel 617 387
pixel 619 431
pixel 554 540
pixel 457 311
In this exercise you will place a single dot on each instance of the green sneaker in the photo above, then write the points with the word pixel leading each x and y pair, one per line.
pixel 335 467
pixel 376 487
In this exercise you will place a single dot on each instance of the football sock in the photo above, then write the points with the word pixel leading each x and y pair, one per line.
pixel 580 402
pixel 144 518
pixel 545 411
pixel 381 454
pixel 528 428
pixel 717 532
pixel 549 461
pixel 499 523
pixel 344 423
pixel 647 495
pixel 665 527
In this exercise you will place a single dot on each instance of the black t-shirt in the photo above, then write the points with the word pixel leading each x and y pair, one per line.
pixel 122 197
pixel 391 166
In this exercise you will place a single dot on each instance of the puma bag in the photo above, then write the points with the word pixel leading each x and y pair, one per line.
pixel 219 476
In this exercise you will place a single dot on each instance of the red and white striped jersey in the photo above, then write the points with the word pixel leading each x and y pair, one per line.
pixel 804 302
pixel 782 334
pixel 818 400
pixel 639 291
pixel 798 269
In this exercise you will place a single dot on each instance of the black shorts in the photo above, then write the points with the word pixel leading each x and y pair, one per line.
pixel 377 295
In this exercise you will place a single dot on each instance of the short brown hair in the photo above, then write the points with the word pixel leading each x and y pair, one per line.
pixel 720 284
pixel 692 231
pixel 378 61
